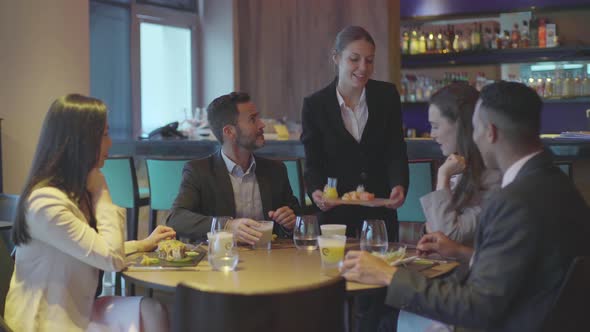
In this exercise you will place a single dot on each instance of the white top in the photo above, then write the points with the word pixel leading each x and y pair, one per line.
pixel 355 119
pixel 246 190
pixel 513 170
pixel 56 272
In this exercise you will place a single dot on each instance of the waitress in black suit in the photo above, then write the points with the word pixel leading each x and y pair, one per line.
pixel 352 131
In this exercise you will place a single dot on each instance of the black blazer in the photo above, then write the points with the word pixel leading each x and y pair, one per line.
pixel 528 235
pixel 206 191
pixel 379 161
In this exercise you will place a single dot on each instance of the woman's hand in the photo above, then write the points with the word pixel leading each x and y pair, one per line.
pixel 455 164
pixel 95 183
pixel 150 243
pixel 398 197
pixel 318 199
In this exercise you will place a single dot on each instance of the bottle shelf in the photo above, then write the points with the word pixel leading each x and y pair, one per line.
pixel 495 56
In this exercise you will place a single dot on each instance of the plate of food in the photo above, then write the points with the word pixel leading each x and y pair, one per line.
pixel 360 197
pixel 170 255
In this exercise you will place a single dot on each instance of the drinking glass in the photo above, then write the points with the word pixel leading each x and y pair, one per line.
pixel 265 240
pixel 220 224
pixel 305 233
pixel 331 252
pixel 374 236
pixel 222 252
pixel 333 229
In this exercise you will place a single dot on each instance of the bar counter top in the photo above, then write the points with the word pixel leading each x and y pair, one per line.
pixel 418 148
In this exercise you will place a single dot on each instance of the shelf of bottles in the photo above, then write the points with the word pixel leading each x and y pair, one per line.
pixel 507 38
pixel 553 81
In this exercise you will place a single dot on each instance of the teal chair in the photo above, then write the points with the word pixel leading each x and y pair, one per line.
pixel 165 176
pixel 421 183
pixel 6 268
pixel 120 175
pixel 566 167
pixel 295 174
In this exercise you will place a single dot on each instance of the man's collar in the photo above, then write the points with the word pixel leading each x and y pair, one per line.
pixel 236 169
pixel 513 170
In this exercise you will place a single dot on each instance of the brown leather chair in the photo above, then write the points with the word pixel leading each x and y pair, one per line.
pixel 313 309
pixel 570 310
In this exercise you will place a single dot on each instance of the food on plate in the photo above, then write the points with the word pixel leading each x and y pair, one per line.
pixel 147 260
pixel 392 256
pixel 358 195
pixel 171 250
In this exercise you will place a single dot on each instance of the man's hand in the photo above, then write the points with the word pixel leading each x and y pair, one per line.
pixel 244 230
pixel 365 268
pixel 398 197
pixel 283 216
pixel 438 243
pixel 160 233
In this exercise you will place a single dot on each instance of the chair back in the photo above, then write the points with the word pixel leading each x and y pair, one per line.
pixel 570 309
pixel 8 204
pixel 313 309
pixel 6 268
pixel 295 174
pixel 421 183
pixel 119 172
pixel 165 176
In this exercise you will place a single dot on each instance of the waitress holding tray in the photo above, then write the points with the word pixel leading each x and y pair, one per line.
pixel 352 131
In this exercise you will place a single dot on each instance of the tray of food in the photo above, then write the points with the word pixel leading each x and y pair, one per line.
pixel 428 267
pixel 170 255
pixel 359 197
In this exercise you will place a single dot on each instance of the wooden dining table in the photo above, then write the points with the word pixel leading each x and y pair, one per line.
pixel 282 268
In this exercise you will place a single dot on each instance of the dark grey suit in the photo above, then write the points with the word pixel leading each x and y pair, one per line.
pixel 528 234
pixel 206 191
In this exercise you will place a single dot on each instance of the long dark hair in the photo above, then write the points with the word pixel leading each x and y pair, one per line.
pixel 68 149
pixel 456 103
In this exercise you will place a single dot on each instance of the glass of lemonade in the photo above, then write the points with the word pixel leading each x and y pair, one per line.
pixel 305 233
pixel 333 229
pixel 374 236
pixel 222 253
pixel 265 240
pixel 331 252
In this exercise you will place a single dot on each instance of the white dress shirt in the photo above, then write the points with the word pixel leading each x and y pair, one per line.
pixel 355 119
pixel 513 170
pixel 246 190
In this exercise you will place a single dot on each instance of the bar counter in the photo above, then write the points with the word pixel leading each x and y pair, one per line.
pixel 418 148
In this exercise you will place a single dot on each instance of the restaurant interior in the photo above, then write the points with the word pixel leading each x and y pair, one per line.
pixel 158 64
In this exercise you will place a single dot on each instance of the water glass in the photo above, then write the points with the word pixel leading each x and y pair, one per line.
pixel 265 240
pixel 331 252
pixel 305 233
pixel 222 253
pixel 374 236
pixel 220 224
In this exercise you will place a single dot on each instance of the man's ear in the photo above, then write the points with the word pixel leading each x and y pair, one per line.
pixel 492 133
pixel 229 132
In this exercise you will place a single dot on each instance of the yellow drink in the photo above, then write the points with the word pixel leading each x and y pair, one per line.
pixel 332 255
pixel 330 193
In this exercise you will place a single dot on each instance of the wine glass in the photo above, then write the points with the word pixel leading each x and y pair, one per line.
pixel 374 236
pixel 305 233
pixel 220 224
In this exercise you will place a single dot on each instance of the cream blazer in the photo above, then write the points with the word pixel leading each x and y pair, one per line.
pixel 56 273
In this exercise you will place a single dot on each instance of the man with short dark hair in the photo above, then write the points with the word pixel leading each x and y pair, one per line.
pixel 528 234
pixel 233 181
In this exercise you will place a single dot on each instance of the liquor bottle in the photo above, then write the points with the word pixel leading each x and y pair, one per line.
pixel 465 42
pixel 405 43
pixel 489 39
pixel 414 40
pixel 585 86
pixel 515 36
pixel 524 35
pixel 457 41
pixel 422 44
pixel 430 44
pixel 548 92
pixel 534 30
pixel 558 84
pixel 476 37
pixel 451 37
pixel 440 43
pixel 497 43
pixel 506 40
pixel 542 32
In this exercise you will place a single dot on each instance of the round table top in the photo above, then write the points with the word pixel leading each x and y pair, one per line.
pixel 259 271
pixel 5 225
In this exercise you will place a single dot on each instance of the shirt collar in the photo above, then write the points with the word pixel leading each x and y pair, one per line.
pixel 513 170
pixel 341 103
pixel 236 169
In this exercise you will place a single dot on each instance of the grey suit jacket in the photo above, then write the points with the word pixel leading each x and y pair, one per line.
pixel 529 232
pixel 206 191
